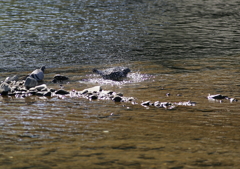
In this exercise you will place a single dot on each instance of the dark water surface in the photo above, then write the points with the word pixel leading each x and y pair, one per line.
pixel 186 48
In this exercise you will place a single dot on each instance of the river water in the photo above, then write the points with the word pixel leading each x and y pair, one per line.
pixel 188 49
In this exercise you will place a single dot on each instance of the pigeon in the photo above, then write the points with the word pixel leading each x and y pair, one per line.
pixel 115 73
pixel 38 74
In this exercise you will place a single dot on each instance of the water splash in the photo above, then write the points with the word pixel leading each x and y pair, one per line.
pixel 132 78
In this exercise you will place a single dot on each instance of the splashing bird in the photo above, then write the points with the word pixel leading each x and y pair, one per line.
pixel 115 73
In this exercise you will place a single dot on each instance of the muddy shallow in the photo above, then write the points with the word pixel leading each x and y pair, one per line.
pixel 41 132
pixel 187 49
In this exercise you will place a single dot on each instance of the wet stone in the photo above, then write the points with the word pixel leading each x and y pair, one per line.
pixel 4 88
pixel 146 103
pixel 11 79
pixel 39 93
pixel 94 89
pixel 52 90
pixel 59 78
pixel 30 82
pixel 117 99
pixel 93 97
pixel 157 104
pixel 119 94
pixel 42 87
pixel 61 92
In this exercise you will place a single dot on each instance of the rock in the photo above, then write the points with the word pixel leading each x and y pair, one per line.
pixel 84 91
pixel 146 103
pixel 52 90
pixel 40 93
pixel 130 99
pixel 115 73
pixel 59 78
pixel 61 92
pixel 93 97
pixel 5 88
pixel 42 87
pixel 232 100
pixel 165 104
pixel 117 99
pixel 216 97
pixel 119 94
pixel 30 82
pixel 188 103
pixel 157 104
pixel 47 94
pixel 10 79
pixel 95 89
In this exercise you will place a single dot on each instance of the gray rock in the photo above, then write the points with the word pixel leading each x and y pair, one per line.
pixel 115 73
pixel 130 99
pixel 10 79
pixel 30 82
pixel 59 78
pixel 61 92
pixel 5 88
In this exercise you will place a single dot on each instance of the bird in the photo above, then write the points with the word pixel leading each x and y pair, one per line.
pixel 115 73
pixel 38 74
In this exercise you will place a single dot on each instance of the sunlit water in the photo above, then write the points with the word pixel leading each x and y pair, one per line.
pixel 177 51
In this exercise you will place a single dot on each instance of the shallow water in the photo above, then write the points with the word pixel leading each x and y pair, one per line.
pixel 187 49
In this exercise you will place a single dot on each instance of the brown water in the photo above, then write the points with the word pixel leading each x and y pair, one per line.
pixel 188 49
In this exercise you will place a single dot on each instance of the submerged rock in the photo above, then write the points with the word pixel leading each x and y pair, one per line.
pixel 59 78
pixel 61 92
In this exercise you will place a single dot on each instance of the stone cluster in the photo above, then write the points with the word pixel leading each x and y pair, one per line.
pixel 13 86
pixel 167 105
pixel 30 86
